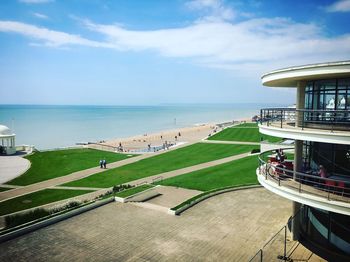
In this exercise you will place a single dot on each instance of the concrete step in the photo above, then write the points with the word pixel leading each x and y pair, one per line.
pixel 150 206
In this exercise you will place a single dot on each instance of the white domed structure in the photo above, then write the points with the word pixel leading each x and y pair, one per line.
pixel 7 141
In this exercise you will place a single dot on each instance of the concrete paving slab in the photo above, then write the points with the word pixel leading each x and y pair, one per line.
pixel 172 196
pixel 228 227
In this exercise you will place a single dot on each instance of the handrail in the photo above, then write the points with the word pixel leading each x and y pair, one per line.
pixel 331 189
pixel 315 118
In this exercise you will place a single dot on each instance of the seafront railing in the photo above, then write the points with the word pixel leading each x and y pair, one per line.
pixel 103 147
pixel 306 118
pixel 282 174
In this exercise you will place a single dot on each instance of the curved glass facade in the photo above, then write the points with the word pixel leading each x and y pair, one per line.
pixel 332 94
pixel 334 157
pixel 327 102
pixel 327 232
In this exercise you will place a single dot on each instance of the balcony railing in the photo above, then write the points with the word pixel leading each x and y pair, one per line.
pixel 306 118
pixel 309 182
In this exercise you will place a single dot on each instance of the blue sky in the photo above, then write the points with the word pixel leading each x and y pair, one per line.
pixel 130 52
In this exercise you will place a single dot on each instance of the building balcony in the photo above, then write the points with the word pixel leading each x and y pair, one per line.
pixel 327 126
pixel 331 193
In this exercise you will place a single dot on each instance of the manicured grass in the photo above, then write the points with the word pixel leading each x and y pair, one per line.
pixel 238 172
pixel 4 189
pixel 238 133
pixel 132 191
pixel 172 160
pixel 37 199
pixel 51 164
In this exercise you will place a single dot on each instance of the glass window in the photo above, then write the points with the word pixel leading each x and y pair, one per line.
pixel 341 100
pixel 329 100
pixel 334 157
pixel 344 83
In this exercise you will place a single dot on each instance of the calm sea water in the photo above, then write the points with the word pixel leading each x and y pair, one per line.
pixel 58 126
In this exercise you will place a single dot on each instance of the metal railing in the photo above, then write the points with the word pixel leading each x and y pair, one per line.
pixel 280 247
pixel 103 147
pixel 321 119
pixel 303 182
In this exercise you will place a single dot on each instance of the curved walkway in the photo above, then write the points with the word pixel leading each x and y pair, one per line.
pixel 189 169
pixel 65 179
pixel 229 227
pixel 11 167
pixel 88 172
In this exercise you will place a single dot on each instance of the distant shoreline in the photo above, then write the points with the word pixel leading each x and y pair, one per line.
pixel 184 135
pixel 58 127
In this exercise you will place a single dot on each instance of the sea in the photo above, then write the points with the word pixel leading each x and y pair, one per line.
pixel 55 126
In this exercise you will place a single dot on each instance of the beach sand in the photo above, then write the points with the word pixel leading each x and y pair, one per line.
pixel 183 135
pixel 177 136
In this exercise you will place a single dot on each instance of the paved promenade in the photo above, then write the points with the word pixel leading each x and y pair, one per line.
pixel 88 172
pixel 65 179
pixel 189 169
pixel 228 227
pixel 12 166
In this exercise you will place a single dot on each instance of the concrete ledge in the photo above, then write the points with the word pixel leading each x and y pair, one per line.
pixel 304 197
pixel 140 196
pixel 40 223
pixel 196 201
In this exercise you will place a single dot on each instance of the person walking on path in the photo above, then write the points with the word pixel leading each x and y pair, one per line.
pixel 101 163
pixel 104 163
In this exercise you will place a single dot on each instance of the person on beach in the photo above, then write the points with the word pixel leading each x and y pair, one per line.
pixel 104 163
pixel 175 138
pixel 179 134
pixel 101 163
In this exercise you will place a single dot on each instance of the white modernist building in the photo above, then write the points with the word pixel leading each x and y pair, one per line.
pixel 318 178
pixel 7 141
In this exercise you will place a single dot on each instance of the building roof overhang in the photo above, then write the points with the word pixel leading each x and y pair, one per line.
pixel 289 77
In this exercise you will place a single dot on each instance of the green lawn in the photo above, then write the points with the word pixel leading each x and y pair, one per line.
pixel 239 133
pixel 51 164
pixel 238 172
pixel 172 160
pixel 37 199
pixel 4 189
pixel 133 191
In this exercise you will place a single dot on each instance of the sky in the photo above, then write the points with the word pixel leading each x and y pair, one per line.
pixel 131 52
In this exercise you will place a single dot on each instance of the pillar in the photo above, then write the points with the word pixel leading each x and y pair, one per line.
pixel 300 103
pixel 296 220
pixel 298 157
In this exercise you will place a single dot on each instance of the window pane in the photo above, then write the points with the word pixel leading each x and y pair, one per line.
pixel 344 83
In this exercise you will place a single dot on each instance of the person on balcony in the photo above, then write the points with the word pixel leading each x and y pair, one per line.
pixel 280 157
pixel 322 172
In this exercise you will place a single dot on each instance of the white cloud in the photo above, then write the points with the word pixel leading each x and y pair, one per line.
pixel 215 9
pixel 35 1
pixel 233 45
pixel 41 16
pixel 49 37
pixel 252 45
pixel 339 6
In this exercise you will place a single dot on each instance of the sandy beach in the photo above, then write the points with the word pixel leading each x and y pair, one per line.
pixel 177 136
pixel 174 136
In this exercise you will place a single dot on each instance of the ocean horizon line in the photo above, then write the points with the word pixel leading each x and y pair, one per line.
pixel 150 105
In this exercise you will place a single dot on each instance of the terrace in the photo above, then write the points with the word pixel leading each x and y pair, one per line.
pixel 331 193
pixel 330 126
